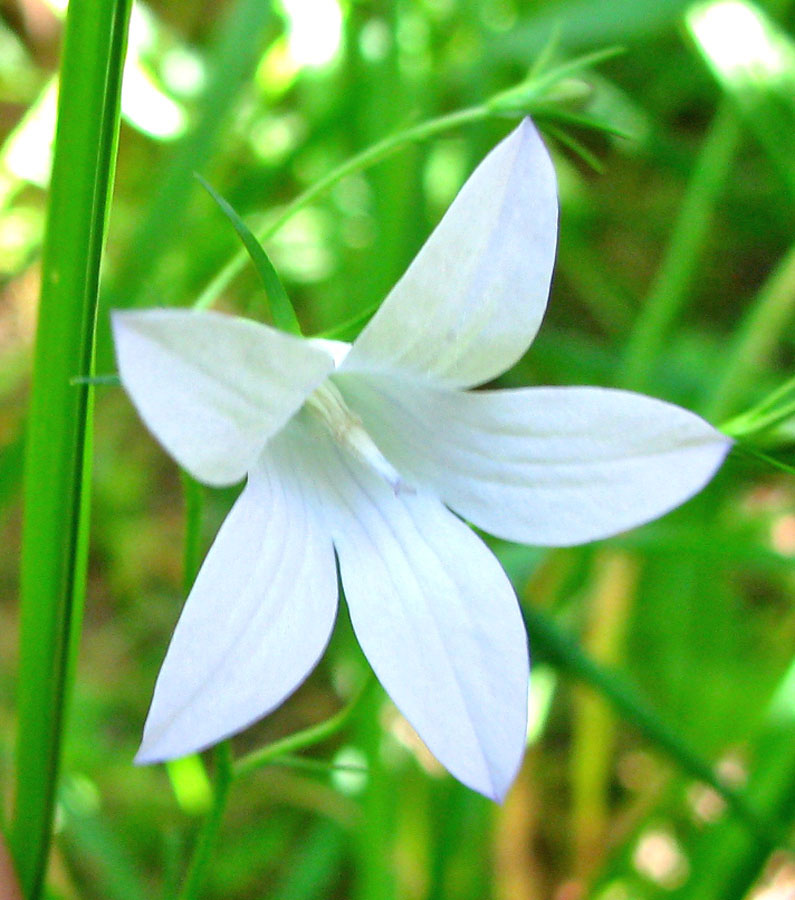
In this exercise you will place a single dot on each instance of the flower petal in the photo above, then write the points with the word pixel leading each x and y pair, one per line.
pixel 549 466
pixel 471 302
pixel 256 622
pixel 435 615
pixel 213 388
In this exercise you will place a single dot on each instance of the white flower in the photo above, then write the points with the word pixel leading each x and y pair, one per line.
pixel 364 451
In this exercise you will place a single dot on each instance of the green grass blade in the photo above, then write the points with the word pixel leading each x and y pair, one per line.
pixel 765 321
pixel 769 411
pixel 766 458
pixel 673 283
pixel 88 835
pixel 560 650
pixel 375 153
pixel 727 860
pixel 11 458
pixel 281 309
pixel 59 427
pixel 238 46
pixel 110 380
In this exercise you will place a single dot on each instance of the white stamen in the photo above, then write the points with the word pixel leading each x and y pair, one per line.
pixel 347 430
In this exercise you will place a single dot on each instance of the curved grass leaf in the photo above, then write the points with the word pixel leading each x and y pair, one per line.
pixel 281 308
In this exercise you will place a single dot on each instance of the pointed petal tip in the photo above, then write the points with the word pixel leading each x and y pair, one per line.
pixel 147 757
pixel 498 795
pixel 501 782
pixel 494 785
pixel 470 303
pixel 725 446
pixel 154 750
pixel 494 792
pixel 527 127
pixel 161 749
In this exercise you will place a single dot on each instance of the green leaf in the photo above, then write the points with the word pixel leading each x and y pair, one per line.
pixel 282 310
pixel 767 458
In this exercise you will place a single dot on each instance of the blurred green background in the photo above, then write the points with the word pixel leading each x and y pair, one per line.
pixel 675 275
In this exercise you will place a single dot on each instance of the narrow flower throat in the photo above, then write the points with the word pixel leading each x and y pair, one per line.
pixel 328 405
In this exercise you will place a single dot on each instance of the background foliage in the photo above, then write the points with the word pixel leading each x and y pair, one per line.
pixel 661 657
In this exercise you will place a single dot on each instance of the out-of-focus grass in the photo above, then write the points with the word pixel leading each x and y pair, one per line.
pixel 667 264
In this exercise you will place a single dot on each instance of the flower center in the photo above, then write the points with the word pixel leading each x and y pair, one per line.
pixel 328 405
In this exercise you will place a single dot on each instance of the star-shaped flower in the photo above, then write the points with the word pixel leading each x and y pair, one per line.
pixel 373 452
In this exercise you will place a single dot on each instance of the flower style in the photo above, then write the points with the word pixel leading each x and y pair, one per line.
pixel 377 451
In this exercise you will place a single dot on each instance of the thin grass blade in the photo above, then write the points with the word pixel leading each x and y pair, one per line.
pixel 281 309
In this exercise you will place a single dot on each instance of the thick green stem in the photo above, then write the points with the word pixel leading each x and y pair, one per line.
pixel 57 459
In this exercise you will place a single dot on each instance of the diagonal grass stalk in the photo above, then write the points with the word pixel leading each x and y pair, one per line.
pixel 563 652
pixel 57 463
pixel 673 283
pixel 369 157
pixel 281 309
pixel 527 98
pixel 764 323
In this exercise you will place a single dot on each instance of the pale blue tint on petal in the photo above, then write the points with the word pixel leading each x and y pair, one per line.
pixel 471 302
pixel 256 622
pixel 213 388
pixel 546 466
pixel 433 611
